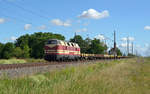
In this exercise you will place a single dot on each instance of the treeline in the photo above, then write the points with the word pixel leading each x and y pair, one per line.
pixel 27 46
pixel 94 46
pixel 32 46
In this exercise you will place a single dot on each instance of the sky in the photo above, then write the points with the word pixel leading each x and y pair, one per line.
pixel 88 18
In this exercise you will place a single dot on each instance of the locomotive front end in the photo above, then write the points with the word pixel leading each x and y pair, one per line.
pixel 51 48
pixel 61 50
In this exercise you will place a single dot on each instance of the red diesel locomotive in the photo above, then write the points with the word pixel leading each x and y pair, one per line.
pixel 58 50
pixel 61 50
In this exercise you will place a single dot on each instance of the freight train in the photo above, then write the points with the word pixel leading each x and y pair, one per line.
pixel 58 50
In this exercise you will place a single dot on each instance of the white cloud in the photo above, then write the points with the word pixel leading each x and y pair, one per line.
pixel 125 45
pixel 58 22
pixel 93 14
pixel 147 52
pixel 2 20
pixel 67 23
pixel 13 38
pixel 138 49
pixel 27 26
pixel 129 38
pixel 82 30
pixel 42 27
pixel 144 51
pixel 124 39
pixel 100 37
pixel 147 28
pixel 146 45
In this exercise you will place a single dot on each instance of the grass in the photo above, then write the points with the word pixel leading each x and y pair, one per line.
pixel 30 60
pixel 17 61
pixel 12 61
pixel 111 77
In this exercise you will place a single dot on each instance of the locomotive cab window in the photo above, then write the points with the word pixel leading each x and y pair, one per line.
pixel 72 44
pixel 52 42
pixel 68 44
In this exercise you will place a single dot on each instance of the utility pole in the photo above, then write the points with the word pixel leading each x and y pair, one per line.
pixel 132 49
pixel 128 45
pixel 75 37
pixel 115 45
pixel 105 51
pixel 136 53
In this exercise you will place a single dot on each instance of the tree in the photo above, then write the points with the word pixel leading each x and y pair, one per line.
pixel 97 47
pixel 23 40
pixel 1 49
pixel 18 52
pixel 8 50
pixel 87 45
pixel 33 45
pixel 90 46
pixel 119 53
pixel 26 50
pixel 37 50
pixel 37 42
pixel 82 43
pixel 23 43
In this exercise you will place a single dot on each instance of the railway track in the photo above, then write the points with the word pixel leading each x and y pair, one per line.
pixel 17 70
pixel 23 65
pixel 16 66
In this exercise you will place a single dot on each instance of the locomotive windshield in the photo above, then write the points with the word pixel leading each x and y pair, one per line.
pixel 52 42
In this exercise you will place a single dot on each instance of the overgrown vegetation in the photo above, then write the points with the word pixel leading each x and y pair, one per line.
pixel 110 77
pixel 18 61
